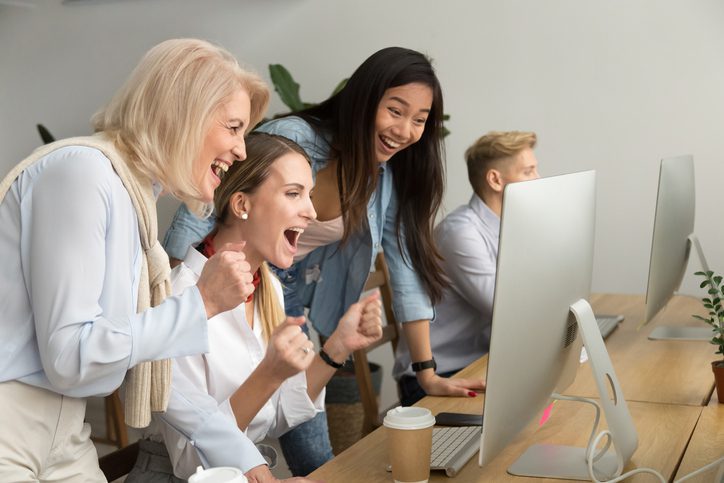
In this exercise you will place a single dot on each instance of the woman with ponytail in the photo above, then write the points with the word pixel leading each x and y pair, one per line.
pixel 261 376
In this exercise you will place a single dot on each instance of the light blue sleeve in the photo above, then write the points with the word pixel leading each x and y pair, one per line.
pixel 85 347
pixel 470 261
pixel 301 132
pixel 186 229
pixel 212 433
pixel 410 301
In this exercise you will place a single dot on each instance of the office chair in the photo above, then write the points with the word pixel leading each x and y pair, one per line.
pixel 380 279
pixel 116 433
pixel 120 462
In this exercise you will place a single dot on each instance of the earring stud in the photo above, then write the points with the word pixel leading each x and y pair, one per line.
pixel 244 216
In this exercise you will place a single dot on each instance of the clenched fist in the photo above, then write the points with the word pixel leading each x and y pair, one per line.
pixel 289 350
pixel 225 281
pixel 359 327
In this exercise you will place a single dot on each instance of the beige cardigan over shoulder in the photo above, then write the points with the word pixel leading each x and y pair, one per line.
pixel 147 384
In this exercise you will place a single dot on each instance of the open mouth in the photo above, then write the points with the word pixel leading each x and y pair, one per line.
pixel 292 235
pixel 389 143
pixel 219 168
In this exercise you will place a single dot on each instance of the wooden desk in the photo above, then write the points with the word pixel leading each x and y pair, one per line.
pixel 663 431
pixel 665 384
pixel 707 443
pixel 676 372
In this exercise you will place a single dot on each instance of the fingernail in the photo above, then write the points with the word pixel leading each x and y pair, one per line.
pixel 472 393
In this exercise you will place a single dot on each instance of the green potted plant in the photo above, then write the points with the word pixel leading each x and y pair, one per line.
pixel 713 303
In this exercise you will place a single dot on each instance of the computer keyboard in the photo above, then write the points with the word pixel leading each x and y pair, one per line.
pixel 452 447
pixel 607 323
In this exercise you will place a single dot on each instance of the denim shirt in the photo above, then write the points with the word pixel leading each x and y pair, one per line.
pixel 331 277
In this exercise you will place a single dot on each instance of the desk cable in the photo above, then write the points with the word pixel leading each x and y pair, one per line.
pixel 592 456
pixel 607 434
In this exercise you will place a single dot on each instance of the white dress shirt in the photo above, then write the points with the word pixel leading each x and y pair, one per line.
pixel 203 384
pixel 70 266
pixel 468 241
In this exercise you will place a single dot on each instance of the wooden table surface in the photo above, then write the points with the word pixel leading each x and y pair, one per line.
pixel 707 443
pixel 665 384
pixel 676 372
pixel 663 431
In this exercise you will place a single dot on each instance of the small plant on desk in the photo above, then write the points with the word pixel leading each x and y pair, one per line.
pixel 713 303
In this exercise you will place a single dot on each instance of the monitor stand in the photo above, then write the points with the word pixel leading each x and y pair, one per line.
pixel 668 332
pixel 555 461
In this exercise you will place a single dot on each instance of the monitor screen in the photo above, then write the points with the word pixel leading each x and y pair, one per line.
pixel 672 241
pixel 673 223
pixel 545 260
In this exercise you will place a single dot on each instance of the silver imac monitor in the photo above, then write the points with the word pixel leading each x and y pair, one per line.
pixel 541 319
pixel 672 242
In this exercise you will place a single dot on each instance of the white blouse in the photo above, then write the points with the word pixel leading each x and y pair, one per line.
pixel 236 349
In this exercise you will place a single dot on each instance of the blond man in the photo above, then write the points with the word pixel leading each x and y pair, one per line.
pixel 468 241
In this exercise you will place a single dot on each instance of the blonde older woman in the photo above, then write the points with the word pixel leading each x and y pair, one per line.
pixel 81 264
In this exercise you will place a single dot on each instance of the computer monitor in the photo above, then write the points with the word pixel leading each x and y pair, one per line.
pixel 672 241
pixel 540 321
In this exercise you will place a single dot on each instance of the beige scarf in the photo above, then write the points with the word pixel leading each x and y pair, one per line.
pixel 147 384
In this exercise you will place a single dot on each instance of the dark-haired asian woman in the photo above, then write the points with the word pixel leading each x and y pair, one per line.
pixel 376 151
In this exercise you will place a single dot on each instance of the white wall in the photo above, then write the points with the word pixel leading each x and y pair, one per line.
pixel 608 85
pixel 611 86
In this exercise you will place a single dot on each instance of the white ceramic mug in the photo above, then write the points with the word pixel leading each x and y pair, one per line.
pixel 221 474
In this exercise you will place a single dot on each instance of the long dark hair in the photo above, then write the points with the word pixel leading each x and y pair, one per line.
pixel 419 172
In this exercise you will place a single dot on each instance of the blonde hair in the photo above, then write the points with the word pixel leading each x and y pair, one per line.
pixel 262 150
pixel 163 111
pixel 492 148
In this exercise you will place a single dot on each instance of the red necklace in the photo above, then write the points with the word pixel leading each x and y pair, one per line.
pixel 206 247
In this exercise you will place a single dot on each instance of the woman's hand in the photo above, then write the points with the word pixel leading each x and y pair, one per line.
pixel 435 385
pixel 289 350
pixel 225 281
pixel 261 474
pixel 359 327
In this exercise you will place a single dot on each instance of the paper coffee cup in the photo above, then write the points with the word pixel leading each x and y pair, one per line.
pixel 221 474
pixel 409 441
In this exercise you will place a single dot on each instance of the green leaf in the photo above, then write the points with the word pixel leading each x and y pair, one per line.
pixel 704 284
pixel 286 87
pixel 45 134
pixel 712 291
pixel 340 86
pixel 717 279
pixel 700 273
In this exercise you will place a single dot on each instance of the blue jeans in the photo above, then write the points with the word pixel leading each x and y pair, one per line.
pixel 305 447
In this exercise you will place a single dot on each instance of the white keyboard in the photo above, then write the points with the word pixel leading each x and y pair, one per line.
pixel 607 323
pixel 452 447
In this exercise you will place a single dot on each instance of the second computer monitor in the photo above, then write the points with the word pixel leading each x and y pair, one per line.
pixel 672 241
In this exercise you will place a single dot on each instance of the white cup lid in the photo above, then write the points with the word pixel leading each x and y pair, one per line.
pixel 221 474
pixel 409 418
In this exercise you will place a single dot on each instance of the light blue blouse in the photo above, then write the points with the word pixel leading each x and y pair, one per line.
pixel 468 241
pixel 71 263
pixel 331 278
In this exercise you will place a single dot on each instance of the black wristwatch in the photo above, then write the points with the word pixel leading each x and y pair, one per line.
pixel 421 366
